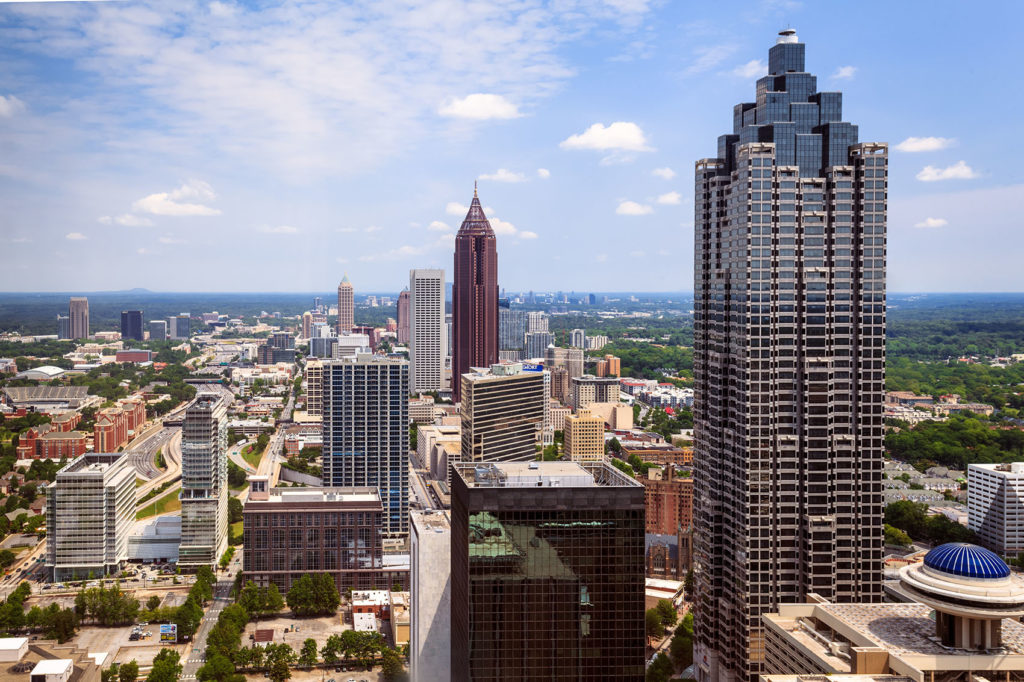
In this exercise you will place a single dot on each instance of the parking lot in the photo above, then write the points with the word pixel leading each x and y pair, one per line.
pixel 317 628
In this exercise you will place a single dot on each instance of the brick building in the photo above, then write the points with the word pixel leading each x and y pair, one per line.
pixel 115 425
pixel 668 497
pixel 48 442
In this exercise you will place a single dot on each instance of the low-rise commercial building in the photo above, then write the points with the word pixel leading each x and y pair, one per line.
pixel 46 442
pixel 90 509
pixel 290 532
pixel 588 389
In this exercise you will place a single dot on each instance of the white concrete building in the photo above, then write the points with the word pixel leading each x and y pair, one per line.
pixel 427 342
pixel 13 648
pixel 204 483
pixel 995 506
pixel 90 509
pixel 53 670
pixel 430 630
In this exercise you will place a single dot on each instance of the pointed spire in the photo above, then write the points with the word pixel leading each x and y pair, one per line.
pixel 474 189
pixel 476 222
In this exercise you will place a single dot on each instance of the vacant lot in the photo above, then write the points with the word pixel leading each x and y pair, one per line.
pixel 317 628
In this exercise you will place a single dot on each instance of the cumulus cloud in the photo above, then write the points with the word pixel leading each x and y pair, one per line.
pixel 752 69
pixel 184 201
pixel 502 228
pixel 633 208
pixel 455 208
pixel 619 136
pixel 670 198
pixel 279 229
pixel 527 234
pixel 127 220
pixel 504 175
pixel 543 173
pixel 373 228
pixel 143 251
pixel 925 144
pixel 394 254
pixel 844 73
pixel 169 239
pixel 10 105
pixel 438 226
pixel 479 107
pixel 932 222
pixel 664 173
pixel 958 171
pixel 75 236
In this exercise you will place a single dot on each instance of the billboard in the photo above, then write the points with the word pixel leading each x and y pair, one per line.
pixel 530 367
pixel 169 633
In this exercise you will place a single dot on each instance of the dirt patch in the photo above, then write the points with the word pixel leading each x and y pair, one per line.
pixel 317 628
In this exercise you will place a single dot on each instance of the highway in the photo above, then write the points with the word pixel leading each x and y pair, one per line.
pixel 143 453
pixel 172 457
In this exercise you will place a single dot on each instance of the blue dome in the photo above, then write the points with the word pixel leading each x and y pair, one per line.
pixel 967 561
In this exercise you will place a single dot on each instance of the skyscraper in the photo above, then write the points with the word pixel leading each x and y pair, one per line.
pixel 502 412
pixel 789 364
pixel 511 329
pixel 179 326
pixel 578 338
pixel 63 327
pixel 346 306
pixel 547 572
pixel 474 295
pixel 427 344
pixel 403 316
pixel 366 430
pixel 78 312
pixel 131 324
pixel 204 482
pixel 157 330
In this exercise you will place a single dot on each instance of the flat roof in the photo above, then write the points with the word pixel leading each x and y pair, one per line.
pixel 53 666
pixel 542 474
pixel 12 643
pixel 431 520
pixel 315 495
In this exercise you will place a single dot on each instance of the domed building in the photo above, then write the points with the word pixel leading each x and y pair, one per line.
pixel 958 621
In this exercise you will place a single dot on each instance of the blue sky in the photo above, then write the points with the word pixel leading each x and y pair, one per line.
pixel 219 146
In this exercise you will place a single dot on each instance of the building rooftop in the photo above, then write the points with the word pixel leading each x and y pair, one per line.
pixel 97 463
pixel 12 643
pixel 319 495
pixel 967 561
pixel 53 666
pixel 437 521
pixel 542 475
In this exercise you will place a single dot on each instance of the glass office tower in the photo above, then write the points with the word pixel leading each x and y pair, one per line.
pixel 789 364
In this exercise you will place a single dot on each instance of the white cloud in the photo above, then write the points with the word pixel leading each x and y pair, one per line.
pixel 503 175
pixel 752 69
pixel 637 254
pixel 932 222
pixel 480 107
pixel 373 228
pixel 75 236
pixel 455 208
pixel 844 73
pixel 664 173
pixel 633 208
pixel 10 105
pixel 394 254
pixel 180 202
pixel 925 144
pixel 143 251
pixel 279 229
pixel 127 219
pixel 958 171
pixel 527 234
pixel 619 136
pixel 438 226
pixel 502 228
pixel 168 239
pixel 543 173
pixel 601 257
pixel 670 198
pixel 707 58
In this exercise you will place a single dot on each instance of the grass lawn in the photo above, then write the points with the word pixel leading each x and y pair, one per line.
pixel 168 503
pixel 252 456
pixel 139 481
pixel 240 486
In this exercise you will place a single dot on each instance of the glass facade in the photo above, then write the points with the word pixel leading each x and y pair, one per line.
pixel 547 582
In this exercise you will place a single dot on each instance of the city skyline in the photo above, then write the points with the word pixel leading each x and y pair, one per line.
pixel 117 150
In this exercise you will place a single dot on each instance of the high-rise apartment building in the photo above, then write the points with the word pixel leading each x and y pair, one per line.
pixel 536 321
pixel 589 389
pixel 474 296
pixel 502 412
pixel 78 312
pixel 578 338
pixel 131 324
pixel 569 358
pixel 346 306
pixel 608 366
pixel 403 317
pixel 789 364
pixel 995 506
pixel 584 437
pixel 547 572
pixel 426 330
pixel 430 540
pixel 90 509
pixel 63 327
pixel 157 330
pixel 511 328
pixel 366 431
pixel 536 344
pixel 307 325
pixel 204 482
pixel 314 374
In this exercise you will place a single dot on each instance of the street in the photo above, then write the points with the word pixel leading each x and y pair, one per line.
pixel 196 656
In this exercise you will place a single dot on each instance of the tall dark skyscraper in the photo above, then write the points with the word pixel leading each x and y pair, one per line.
pixel 547 572
pixel 131 324
pixel 789 363
pixel 474 296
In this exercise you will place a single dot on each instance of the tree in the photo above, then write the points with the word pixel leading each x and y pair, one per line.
pixel 615 446
pixel 667 613
pixel 660 670
pixel 313 595
pixel 653 624
pixel 308 654
pixel 234 510
pixel 128 672
pixel 279 671
pixel 331 649
pixel 681 647
pixel 165 667
pixel 688 582
pixel 391 665
pixel 109 674
pixel 153 603
pixel 217 669
pixel 7 557
pixel 895 536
